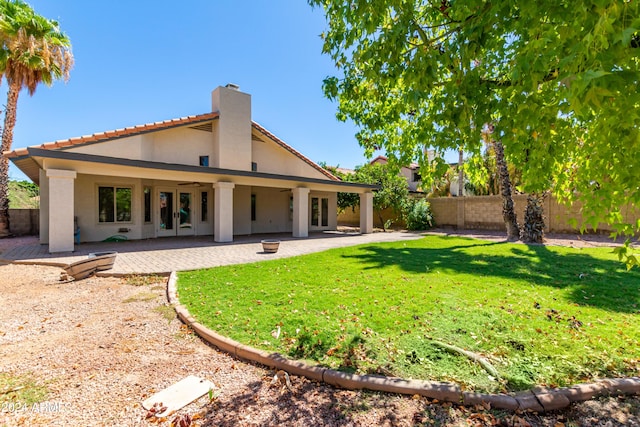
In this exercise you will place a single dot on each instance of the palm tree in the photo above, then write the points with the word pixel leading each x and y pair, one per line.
pixel 508 211
pixel 33 51
pixel 533 228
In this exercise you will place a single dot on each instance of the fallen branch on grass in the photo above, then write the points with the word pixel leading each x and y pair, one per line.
pixel 475 357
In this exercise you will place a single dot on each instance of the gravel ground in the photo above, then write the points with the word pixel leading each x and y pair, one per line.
pixel 101 346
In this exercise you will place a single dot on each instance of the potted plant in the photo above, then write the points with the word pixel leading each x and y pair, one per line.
pixel 270 246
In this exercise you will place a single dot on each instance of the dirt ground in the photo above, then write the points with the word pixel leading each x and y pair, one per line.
pixel 101 346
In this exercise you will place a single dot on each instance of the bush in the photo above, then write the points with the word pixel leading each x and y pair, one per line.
pixel 418 215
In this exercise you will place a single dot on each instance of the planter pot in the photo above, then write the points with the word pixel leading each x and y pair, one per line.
pixel 270 246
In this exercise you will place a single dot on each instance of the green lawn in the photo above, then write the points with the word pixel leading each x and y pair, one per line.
pixel 541 315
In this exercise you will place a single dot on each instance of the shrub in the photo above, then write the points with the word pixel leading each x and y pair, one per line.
pixel 418 215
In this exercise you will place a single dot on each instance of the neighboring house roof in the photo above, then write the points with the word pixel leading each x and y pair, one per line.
pixel 346 171
pixel 156 126
pixel 384 159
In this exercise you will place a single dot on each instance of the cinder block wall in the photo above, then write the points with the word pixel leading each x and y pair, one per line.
pixel 24 222
pixel 485 212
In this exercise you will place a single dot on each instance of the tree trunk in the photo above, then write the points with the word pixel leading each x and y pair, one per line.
pixel 381 220
pixel 508 212
pixel 4 197
pixel 7 140
pixel 533 228
pixel 460 173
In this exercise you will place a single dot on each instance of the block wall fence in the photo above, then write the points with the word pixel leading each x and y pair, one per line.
pixel 24 222
pixel 485 213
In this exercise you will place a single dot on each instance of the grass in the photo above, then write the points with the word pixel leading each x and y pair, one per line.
pixel 141 297
pixel 144 279
pixel 541 315
pixel 166 311
pixel 20 392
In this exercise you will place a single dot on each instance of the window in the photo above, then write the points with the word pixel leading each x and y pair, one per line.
pixel 290 208
pixel 147 204
pixel 315 214
pixel 114 204
pixel 204 161
pixel 204 206
pixel 254 167
pixel 325 212
pixel 416 176
pixel 253 207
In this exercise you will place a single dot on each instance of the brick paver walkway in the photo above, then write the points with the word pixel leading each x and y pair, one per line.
pixel 163 255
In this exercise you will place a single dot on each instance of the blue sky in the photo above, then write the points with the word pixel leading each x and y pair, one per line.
pixel 143 61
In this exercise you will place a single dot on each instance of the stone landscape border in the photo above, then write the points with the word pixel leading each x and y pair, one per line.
pixel 539 399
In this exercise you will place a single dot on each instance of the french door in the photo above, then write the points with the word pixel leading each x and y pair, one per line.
pixel 176 212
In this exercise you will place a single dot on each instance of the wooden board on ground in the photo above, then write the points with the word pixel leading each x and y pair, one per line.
pixel 179 394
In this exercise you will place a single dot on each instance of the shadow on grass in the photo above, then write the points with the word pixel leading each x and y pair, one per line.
pixel 604 284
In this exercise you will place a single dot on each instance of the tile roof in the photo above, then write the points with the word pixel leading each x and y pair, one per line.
pixel 166 124
pixel 118 133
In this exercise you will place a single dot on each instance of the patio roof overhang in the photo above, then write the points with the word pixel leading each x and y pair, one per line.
pixel 37 159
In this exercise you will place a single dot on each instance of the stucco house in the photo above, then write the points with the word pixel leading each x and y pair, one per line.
pixel 218 173
pixel 411 173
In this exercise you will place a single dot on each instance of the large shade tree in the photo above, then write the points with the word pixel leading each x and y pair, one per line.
pixel 390 198
pixel 33 51
pixel 557 78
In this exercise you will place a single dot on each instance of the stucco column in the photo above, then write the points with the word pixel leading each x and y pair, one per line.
pixel 300 212
pixel 366 213
pixel 61 209
pixel 223 212
pixel 44 207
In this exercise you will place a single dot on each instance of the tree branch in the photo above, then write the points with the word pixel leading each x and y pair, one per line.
pixel 552 75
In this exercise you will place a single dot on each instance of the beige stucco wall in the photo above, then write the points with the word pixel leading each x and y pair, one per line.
pixel 179 145
pixel 242 210
pixel 44 207
pixel 86 208
pixel 407 173
pixel 272 211
pixel 128 148
pixel 182 146
pixel 232 131
pixel 272 158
